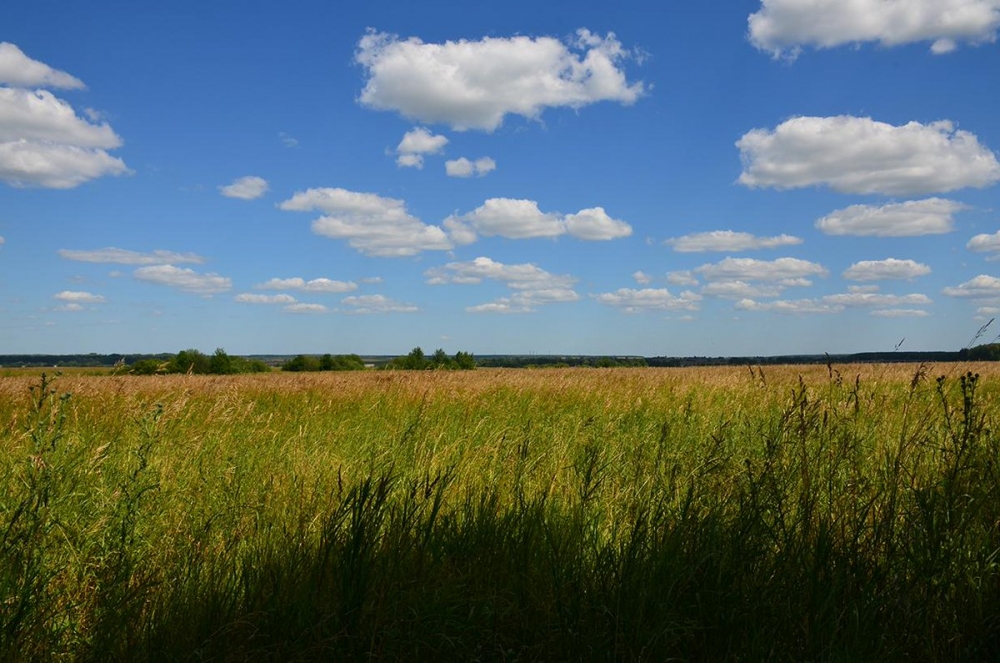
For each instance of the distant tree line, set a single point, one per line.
(418, 361)
(325, 363)
(560, 361)
(198, 363)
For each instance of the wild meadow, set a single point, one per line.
(843, 512)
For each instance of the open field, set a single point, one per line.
(849, 512)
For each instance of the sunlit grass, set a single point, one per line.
(809, 513)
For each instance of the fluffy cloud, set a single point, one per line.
(251, 298)
(125, 257)
(595, 224)
(789, 270)
(245, 188)
(365, 304)
(371, 224)
(533, 285)
(320, 285)
(859, 155)
(2, 240)
(25, 163)
(43, 142)
(76, 297)
(475, 84)
(526, 301)
(649, 299)
(782, 27)
(39, 116)
(642, 278)
(415, 144)
(522, 277)
(913, 218)
(981, 287)
(18, 70)
(522, 219)
(462, 167)
(981, 243)
(890, 268)
(184, 279)
(728, 240)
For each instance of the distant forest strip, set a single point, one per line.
(986, 352)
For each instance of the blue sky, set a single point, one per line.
(714, 178)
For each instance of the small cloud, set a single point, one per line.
(125, 257)
(305, 308)
(890, 268)
(683, 277)
(900, 313)
(250, 298)
(463, 167)
(187, 280)
(367, 304)
(320, 285)
(415, 144)
(642, 278)
(245, 188)
(913, 218)
(77, 297)
(650, 299)
(371, 224)
(287, 140)
(728, 240)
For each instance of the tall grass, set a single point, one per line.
(839, 513)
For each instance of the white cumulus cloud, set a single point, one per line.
(980, 287)
(463, 167)
(649, 299)
(522, 219)
(728, 240)
(320, 285)
(913, 218)
(748, 269)
(860, 155)
(78, 297)
(533, 285)
(371, 224)
(783, 27)
(184, 279)
(415, 144)
(985, 243)
(250, 187)
(890, 268)
(642, 278)
(18, 70)
(43, 142)
(476, 84)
